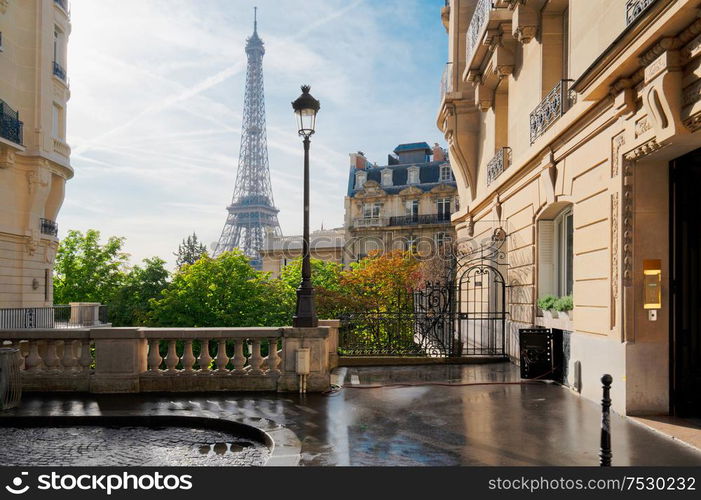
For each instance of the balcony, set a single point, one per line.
(49, 227)
(477, 24)
(635, 8)
(63, 4)
(552, 107)
(10, 125)
(447, 80)
(415, 220)
(59, 71)
(61, 148)
(484, 13)
(371, 222)
(500, 162)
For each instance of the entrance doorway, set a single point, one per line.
(685, 351)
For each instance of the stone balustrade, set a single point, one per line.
(129, 360)
(65, 359)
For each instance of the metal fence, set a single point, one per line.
(61, 316)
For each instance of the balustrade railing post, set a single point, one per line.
(52, 360)
(256, 360)
(188, 358)
(154, 356)
(239, 358)
(222, 358)
(273, 357)
(172, 358)
(68, 360)
(33, 360)
(205, 359)
(605, 454)
(85, 355)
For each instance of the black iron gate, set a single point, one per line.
(464, 315)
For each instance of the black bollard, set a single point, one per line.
(605, 455)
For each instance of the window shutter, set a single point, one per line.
(546, 258)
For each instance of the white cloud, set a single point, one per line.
(157, 95)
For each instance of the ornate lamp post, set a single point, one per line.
(306, 108)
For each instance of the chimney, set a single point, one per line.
(438, 153)
(358, 160)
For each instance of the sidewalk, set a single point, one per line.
(533, 424)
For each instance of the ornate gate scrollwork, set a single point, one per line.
(463, 314)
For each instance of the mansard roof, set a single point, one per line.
(429, 177)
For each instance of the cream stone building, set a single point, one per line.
(34, 156)
(574, 126)
(324, 244)
(404, 205)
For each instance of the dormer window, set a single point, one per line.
(361, 176)
(446, 174)
(387, 177)
(413, 173)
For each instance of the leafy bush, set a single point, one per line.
(547, 302)
(564, 303)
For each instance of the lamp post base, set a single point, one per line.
(306, 312)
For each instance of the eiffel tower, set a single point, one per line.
(252, 214)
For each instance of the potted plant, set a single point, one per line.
(547, 305)
(564, 306)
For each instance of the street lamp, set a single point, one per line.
(306, 108)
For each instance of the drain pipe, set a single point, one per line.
(303, 367)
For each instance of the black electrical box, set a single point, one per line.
(537, 353)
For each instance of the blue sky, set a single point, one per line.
(157, 95)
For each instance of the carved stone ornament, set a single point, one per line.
(618, 143)
(7, 157)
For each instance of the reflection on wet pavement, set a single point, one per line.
(534, 424)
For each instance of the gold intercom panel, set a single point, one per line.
(652, 284)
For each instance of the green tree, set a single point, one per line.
(189, 251)
(330, 298)
(88, 271)
(131, 303)
(222, 291)
(383, 282)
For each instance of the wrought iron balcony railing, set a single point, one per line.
(370, 222)
(477, 23)
(413, 220)
(552, 107)
(634, 8)
(49, 227)
(10, 124)
(59, 71)
(500, 162)
(447, 80)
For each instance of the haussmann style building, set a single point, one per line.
(573, 126)
(403, 205)
(327, 245)
(34, 156)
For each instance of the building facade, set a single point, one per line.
(404, 205)
(34, 156)
(324, 244)
(574, 126)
